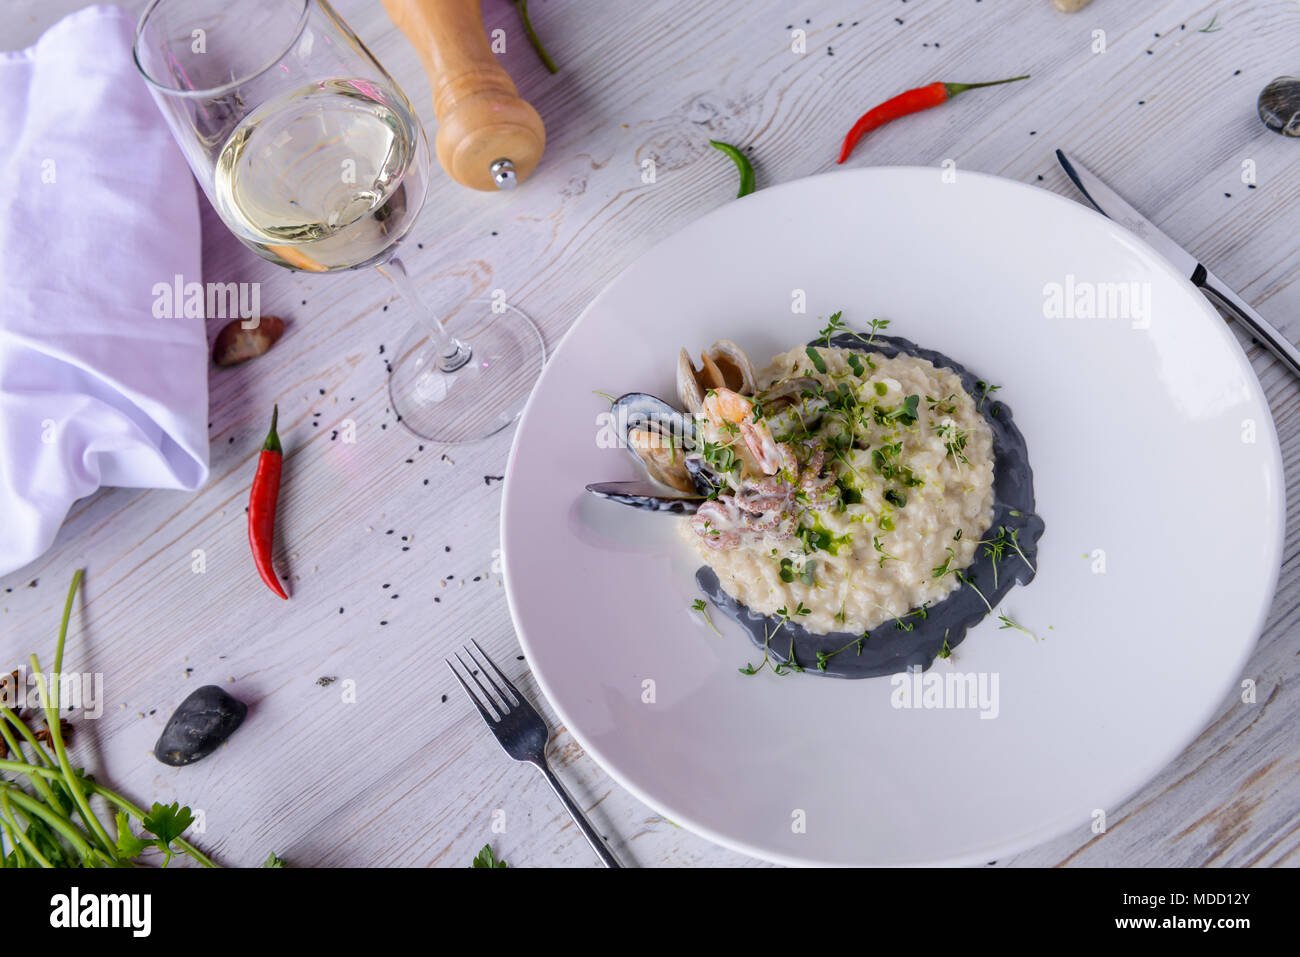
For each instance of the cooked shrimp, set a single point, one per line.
(723, 406)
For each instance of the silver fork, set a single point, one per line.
(522, 733)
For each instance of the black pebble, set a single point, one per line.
(202, 722)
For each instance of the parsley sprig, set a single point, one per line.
(46, 819)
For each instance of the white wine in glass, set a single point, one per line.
(315, 159)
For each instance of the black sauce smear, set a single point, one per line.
(889, 649)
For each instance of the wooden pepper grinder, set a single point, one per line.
(488, 138)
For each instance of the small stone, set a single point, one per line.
(1279, 106)
(201, 723)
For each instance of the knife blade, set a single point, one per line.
(1113, 206)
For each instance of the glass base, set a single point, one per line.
(485, 394)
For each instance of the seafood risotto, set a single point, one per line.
(848, 478)
(859, 504)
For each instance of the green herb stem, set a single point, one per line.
(11, 826)
(533, 38)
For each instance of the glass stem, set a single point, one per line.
(451, 352)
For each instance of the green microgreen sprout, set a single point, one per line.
(833, 325)
(702, 607)
(984, 390)
(1008, 622)
(818, 362)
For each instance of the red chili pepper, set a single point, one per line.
(261, 506)
(913, 101)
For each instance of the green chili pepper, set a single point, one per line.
(533, 38)
(742, 164)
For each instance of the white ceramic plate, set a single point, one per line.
(1140, 440)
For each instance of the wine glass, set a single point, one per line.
(314, 158)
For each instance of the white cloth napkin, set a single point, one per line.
(97, 206)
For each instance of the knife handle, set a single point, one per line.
(1255, 324)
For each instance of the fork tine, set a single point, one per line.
(501, 706)
(473, 697)
(504, 680)
(488, 674)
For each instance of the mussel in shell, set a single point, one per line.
(663, 440)
(659, 436)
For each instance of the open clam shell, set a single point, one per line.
(723, 365)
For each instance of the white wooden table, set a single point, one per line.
(371, 532)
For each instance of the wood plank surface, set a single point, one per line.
(407, 774)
